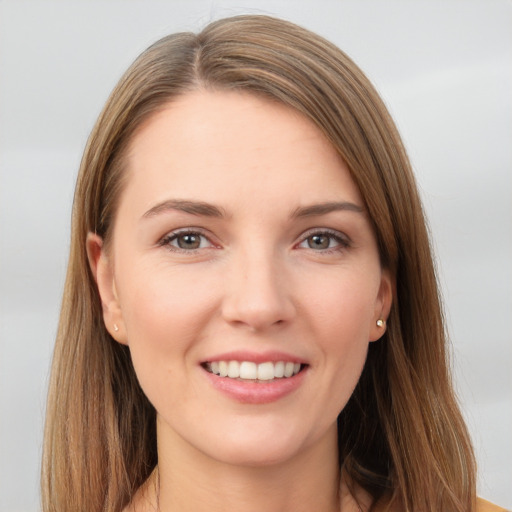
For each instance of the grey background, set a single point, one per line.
(444, 69)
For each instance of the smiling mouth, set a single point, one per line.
(253, 372)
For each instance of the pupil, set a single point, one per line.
(188, 241)
(319, 242)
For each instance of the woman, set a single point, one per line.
(251, 316)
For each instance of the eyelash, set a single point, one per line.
(342, 241)
(167, 240)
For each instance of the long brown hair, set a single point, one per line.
(401, 436)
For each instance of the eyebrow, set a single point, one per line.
(201, 208)
(182, 205)
(325, 208)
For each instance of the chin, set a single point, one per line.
(258, 447)
(255, 456)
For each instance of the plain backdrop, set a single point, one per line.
(443, 67)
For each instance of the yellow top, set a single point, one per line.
(487, 506)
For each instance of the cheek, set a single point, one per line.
(162, 300)
(342, 316)
(163, 318)
(163, 312)
(344, 307)
(336, 316)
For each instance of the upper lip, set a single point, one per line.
(256, 357)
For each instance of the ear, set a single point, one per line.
(382, 305)
(103, 272)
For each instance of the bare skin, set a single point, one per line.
(261, 494)
(241, 236)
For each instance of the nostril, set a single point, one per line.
(255, 296)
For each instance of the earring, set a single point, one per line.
(116, 328)
(381, 323)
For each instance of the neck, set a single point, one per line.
(187, 479)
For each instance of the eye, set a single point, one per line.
(186, 241)
(324, 241)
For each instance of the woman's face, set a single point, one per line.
(241, 245)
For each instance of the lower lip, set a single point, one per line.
(256, 392)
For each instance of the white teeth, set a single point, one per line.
(233, 369)
(223, 369)
(266, 371)
(279, 369)
(251, 371)
(248, 370)
(288, 369)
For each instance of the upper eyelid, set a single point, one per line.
(343, 241)
(327, 231)
(167, 242)
(205, 233)
(173, 234)
(182, 231)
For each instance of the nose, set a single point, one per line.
(257, 293)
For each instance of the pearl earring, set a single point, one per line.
(381, 323)
(116, 328)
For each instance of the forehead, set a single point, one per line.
(228, 146)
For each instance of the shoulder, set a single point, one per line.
(487, 506)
